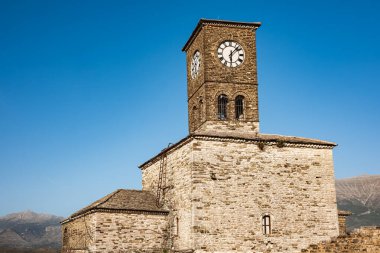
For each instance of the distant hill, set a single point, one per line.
(361, 196)
(30, 231)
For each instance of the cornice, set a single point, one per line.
(214, 22)
(271, 140)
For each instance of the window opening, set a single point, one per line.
(266, 225)
(239, 107)
(222, 107)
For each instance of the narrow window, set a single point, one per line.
(194, 115)
(266, 225)
(200, 111)
(222, 107)
(239, 107)
(177, 226)
(65, 237)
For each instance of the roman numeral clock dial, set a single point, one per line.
(231, 53)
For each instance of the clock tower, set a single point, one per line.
(225, 187)
(222, 78)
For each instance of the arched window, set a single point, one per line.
(222, 107)
(239, 107)
(266, 225)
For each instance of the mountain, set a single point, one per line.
(29, 230)
(361, 196)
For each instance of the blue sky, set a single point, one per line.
(91, 89)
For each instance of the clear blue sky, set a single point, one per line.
(91, 89)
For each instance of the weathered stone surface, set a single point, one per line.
(231, 185)
(215, 79)
(365, 239)
(115, 232)
(78, 234)
(342, 215)
(178, 187)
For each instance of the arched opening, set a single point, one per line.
(266, 223)
(239, 107)
(222, 107)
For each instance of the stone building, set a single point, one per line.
(225, 187)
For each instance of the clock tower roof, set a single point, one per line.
(202, 22)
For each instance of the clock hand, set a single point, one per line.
(236, 49)
(233, 52)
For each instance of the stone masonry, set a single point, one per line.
(225, 187)
(115, 232)
(365, 239)
(219, 188)
(123, 221)
(216, 79)
(342, 216)
(77, 234)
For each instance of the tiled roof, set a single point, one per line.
(124, 200)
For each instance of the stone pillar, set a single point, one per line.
(342, 215)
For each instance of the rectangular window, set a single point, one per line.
(176, 229)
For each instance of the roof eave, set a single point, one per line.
(120, 210)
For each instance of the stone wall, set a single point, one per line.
(366, 239)
(130, 232)
(102, 232)
(194, 84)
(177, 193)
(77, 235)
(196, 98)
(220, 188)
(236, 183)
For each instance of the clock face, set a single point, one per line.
(195, 64)
(231, 53)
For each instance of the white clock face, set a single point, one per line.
(231, 53)
(195, 64)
